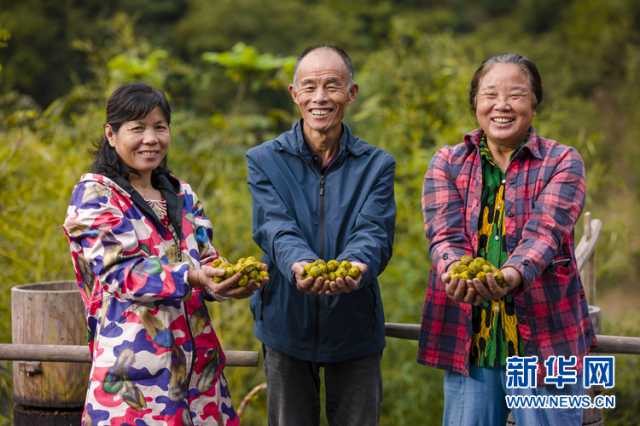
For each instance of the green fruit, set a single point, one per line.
(332, 265)
(465, 260)
(314, 272)
(354, 272)
(243, 281)
(457, 268)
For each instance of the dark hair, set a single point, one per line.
(343, 54)
(127, 103)
(507, 58)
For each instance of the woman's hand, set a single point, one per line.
(459, 290)
(228, 288)
(491, 290)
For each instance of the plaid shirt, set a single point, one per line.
(544, 196)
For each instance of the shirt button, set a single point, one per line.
(445, 256)
(497, 237)
(504, 181)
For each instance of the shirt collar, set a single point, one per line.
(531, 144)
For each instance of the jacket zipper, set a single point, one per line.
(321, 253)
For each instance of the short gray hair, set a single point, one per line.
(341, 52)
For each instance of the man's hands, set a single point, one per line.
(228, 288)
(475, 291)
(321, 286)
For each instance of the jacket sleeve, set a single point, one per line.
(371, 240)
(202, 228)
(555, 213)
(109, 244)
(274, 230)
(443, 211)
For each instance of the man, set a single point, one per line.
(320, 192)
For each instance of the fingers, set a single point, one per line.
(318, 285)
(481, 289)
(450, 287)
(470, 295)
(460, 290)
(304, 285)
(496, 291)
(213, 272)
(362, 266)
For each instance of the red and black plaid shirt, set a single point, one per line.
(544, 196)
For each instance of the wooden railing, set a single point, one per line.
(80, 353)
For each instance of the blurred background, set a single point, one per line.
(225, 66)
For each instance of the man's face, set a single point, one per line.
(322, 90)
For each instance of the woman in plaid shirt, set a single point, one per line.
(513, 198)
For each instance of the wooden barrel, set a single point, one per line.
(49, 313)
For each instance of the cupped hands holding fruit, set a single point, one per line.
(331, 277)
(476, 280)
(223, 279)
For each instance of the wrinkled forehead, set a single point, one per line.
(506, 76)
(322, 64)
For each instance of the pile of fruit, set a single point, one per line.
(469, 268)
(331, 270)
(249, 268)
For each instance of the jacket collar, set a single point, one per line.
(293, 142)
(169, 187)
(532, 145)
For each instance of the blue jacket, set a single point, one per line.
(299, 213)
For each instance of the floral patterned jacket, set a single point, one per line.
(156, 357)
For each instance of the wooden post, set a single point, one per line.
(586, 255)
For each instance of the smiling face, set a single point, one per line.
(322, 89)
(141, 144)
(505, 104)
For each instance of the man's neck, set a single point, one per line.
(322, 144)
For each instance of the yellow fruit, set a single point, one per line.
(314, 272)
(332, 265)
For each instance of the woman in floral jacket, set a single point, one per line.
(139, 241)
